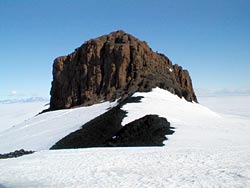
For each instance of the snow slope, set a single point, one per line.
(43, 131)
(195, 124)
(208, 149)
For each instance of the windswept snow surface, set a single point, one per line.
(208, 149)
(43, 131)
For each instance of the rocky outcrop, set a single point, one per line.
(114, 66)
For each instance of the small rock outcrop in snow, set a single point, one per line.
(15, 154)
(114, 66)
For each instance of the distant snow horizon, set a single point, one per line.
(201, 92)
(24, 100)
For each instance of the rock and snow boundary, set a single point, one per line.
(107, 130)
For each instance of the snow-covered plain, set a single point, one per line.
(228, 104)
(14, 113)
(208, 149)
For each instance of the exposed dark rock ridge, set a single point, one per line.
(114, 66)
(96, 132)
(15, 154)
(150, 130)
(106, 131)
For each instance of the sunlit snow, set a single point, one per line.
(208, 149)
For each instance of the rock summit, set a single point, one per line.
(114, 66)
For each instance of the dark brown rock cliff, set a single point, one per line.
(114, 66)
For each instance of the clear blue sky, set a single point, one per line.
(210, 38)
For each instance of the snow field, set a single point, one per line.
(208, 149)
(129, 167)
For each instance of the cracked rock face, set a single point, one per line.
(114, 66)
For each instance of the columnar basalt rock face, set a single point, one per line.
(114, 66)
